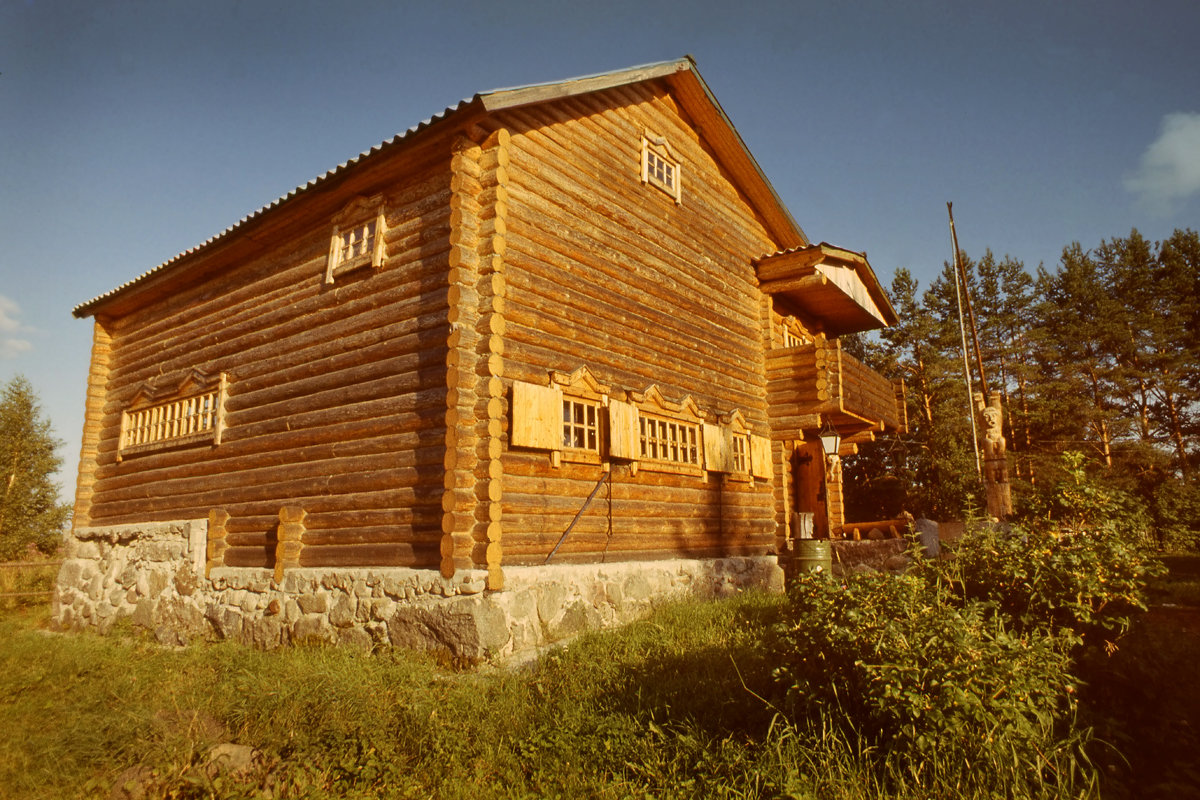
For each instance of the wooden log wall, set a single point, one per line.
(471, 519)
(609, 273)
(336, 392)
(93, 423)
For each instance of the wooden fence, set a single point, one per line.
(32, 565)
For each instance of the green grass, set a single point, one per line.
(672, 707)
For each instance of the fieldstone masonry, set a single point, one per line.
(154, 575)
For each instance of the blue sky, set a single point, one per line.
(131, 131)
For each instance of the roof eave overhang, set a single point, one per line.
(835, 286)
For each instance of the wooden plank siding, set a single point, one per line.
(336, 393)
(609, 273)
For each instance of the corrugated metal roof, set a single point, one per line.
(490, 101)
(83, 309)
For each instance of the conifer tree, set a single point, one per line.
(30, 511)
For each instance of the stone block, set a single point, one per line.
(341, 612)
(574, 620)
(226, 622)
(143, 614)
(71, 573)
(185, 582)
(82, 549)
(550, 600)
(267, 633)
(356, 639)
(313, 629)
(468, 629)
(317, 603)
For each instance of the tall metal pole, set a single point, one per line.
(962, 331)
(962, 277)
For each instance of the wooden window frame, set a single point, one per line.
(684, 418)
(672, 441)
(191, 413)
(359, 214)
(581, 424)
(656, 150)
(536, 427)
(729, 449)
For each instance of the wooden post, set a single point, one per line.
(288, 546)
(218, 518)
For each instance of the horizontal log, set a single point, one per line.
(370, 555)
(602, 312)
(294, 308)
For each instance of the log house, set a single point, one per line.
(572, 306)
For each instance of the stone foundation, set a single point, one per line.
(153, 575)
(882, 555)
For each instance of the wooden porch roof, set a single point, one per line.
(832, 284)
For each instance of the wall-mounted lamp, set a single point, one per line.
(831, 440)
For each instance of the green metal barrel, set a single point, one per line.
(813, 555)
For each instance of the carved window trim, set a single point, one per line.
(581, 392)
(191, 413)
(661, 167)
(359, 237)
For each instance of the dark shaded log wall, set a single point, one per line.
(336, 392)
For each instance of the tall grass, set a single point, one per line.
(27, 582)
(676, 706)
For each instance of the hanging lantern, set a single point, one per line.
(831, 440)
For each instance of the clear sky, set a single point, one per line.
(132, 131)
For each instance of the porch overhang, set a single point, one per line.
(834, 286)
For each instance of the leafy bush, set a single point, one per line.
(900, 662)
(1080, 563)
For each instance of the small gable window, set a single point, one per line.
(660, 166)
(358, 237)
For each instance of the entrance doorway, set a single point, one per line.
(808, 485)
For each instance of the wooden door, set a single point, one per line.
(808, 485)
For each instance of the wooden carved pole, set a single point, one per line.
(995, 458)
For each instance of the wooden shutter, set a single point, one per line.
(760, 456)
(718, 448)
(537, 416)
(623, 439)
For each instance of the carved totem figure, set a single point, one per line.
(995, 458)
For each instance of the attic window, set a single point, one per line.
(660, 167)
(358, 237)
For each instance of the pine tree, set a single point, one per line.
(30, 511)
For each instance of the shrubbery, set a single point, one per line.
(964, 667)
(926, 679)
